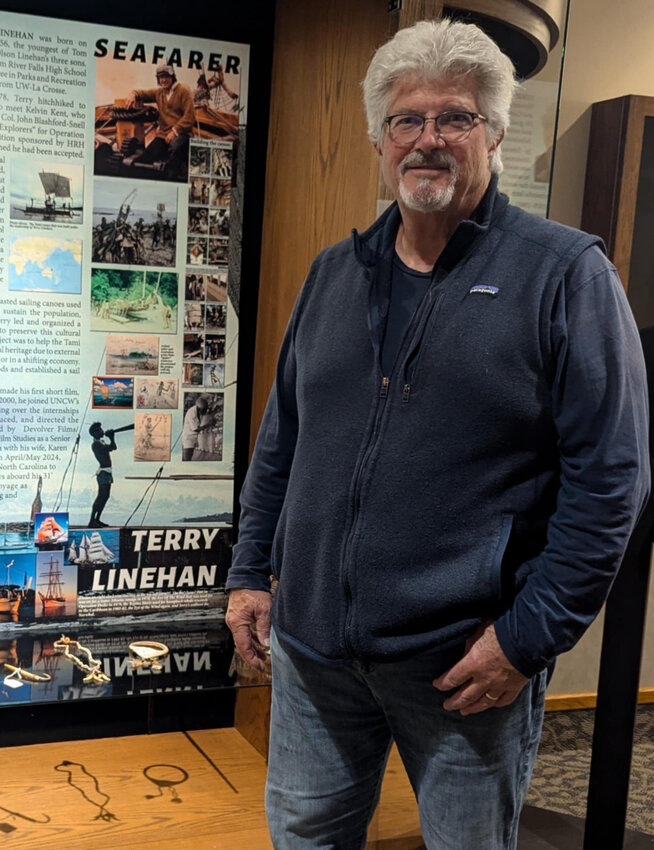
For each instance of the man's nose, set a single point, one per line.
(430, 137)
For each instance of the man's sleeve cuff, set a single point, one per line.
(522, 662)
(244, 580)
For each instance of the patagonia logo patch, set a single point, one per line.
(484, 289)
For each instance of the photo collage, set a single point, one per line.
(139, 294)
(205, 310)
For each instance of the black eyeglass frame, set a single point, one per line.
(476, 117)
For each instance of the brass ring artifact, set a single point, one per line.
(148, 654)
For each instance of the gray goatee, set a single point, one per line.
(427, 197)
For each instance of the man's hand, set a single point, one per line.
(248, 617)
(484, 670)
(132, 100)
(171, 135)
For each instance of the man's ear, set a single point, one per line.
(377, 148)
(495, 144)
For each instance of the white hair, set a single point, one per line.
(442, 51)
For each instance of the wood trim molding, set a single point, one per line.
(570, 702)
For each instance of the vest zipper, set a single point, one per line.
(412, 357)
(355, 503)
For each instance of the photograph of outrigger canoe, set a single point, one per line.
(43, 190)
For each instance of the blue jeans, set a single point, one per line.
(332, 726)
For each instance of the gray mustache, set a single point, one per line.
(435, 160)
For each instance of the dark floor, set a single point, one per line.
(553, 818)
(560, 780)
(546, 830)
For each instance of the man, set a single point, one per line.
(176, 120)
(445, 478)
(167, 233)
(102, 451)
(167, 316)
(224, 98)
(193, 421)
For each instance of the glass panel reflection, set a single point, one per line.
(199, 657)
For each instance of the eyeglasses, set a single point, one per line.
(453, 126)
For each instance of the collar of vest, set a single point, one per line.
(378, 241)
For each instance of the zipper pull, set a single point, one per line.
(383, 392)
(406, 392)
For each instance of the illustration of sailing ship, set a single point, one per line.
(92, 550)
(55, 186)
(54, 595)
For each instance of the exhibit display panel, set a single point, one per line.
(121, 199)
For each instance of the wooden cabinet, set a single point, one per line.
(619, 194)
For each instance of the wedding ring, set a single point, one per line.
(491, 697)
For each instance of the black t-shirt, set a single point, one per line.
(408, 288)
